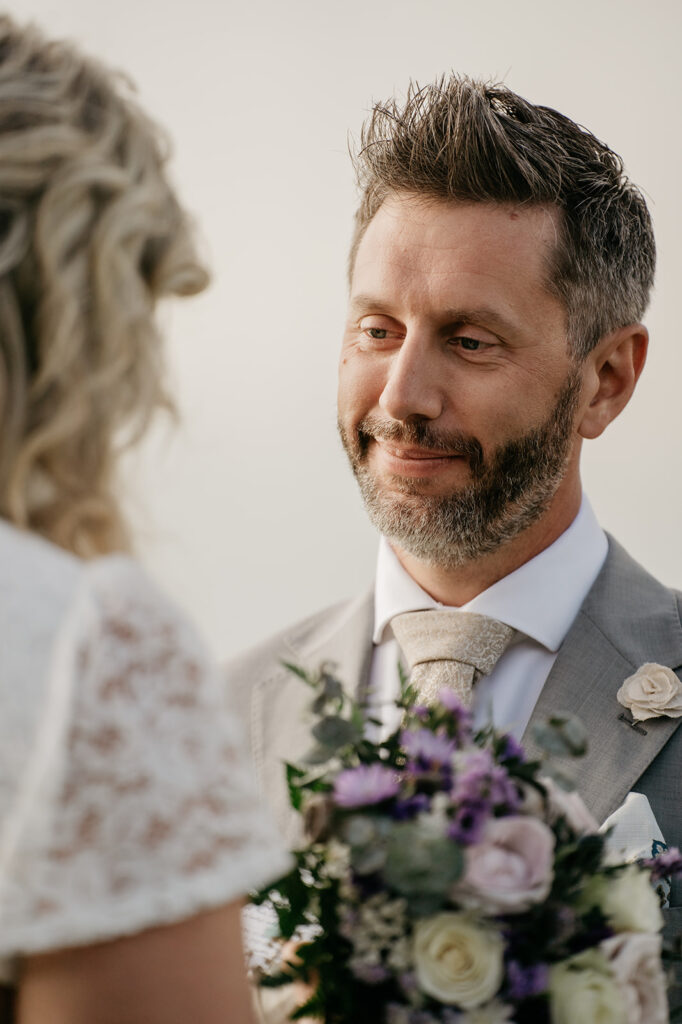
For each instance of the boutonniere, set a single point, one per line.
(653, 691)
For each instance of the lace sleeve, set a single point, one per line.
(154, 817)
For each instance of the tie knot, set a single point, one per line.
(451, 635)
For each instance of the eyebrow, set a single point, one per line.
(482, 316)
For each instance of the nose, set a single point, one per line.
(412, 390)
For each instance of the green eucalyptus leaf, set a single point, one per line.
(563, 777)
(331, 686)
(562, 735)
(319, 755)
(359, 830)
(366, 860)
(423, 906)
(313, 1007)
(335, 732)
(298, 671)
(275, 980)
(421, 865)
(319, 705)
(294, 777)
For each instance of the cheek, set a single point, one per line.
(505, 406)
(360, 386)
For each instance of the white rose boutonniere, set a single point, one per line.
(651, 692)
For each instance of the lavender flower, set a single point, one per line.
(426, 747)
(503, 791)
(464, 720)
(371, 974)
(408, 983)
(526, 981)
(479, 777)
(667, 864)
(405, 810)
(364, 785)
(511, 749)
(469, 821)
(475, 762)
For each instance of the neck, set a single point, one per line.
(457, 586)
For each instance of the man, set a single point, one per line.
(500, 267)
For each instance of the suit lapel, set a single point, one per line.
(280, 720)
(627, 619)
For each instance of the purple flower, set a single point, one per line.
(526, 981)
(503, 791)
(479, 777)
(667, 864)
(511, 749)
(408, 982)
(428, 748)
(371, 974)
(366, 784)
(475, 762)
(405, 810)
(452, 703)
(469, 821)
(463, 717)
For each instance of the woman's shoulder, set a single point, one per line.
(140, 809)
(42, 587)
(34, 570)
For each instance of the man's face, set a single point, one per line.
(457, 390)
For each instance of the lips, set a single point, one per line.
(395, 460)
(410, 454)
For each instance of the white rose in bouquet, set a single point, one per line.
(584, 989)
(510, 869)
(492, 1013)
(626, 899)
(457, 959)
(635, 960)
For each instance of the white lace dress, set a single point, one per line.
(125, 798)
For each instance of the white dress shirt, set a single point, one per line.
(540, 600)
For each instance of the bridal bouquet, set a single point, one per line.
(445, 879)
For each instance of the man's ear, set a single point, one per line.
(611, 372)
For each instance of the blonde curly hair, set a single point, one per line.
(91, 234)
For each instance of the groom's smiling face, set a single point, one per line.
(458, 391)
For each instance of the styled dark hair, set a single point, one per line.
(467, 140)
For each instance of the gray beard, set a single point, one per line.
(508, 492)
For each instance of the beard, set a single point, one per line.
(509, 490)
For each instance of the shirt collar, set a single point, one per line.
(541, 598)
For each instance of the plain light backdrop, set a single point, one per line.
(247, 513)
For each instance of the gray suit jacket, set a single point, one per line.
(627, 619)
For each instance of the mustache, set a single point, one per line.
(420, 434)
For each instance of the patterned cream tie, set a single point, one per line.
(450, 648)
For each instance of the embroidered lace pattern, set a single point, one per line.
(154, 815)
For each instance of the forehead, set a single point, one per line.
(416, 241)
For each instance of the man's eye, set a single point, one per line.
(377, 333)
(469, 344)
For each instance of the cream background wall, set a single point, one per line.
(248, 513)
